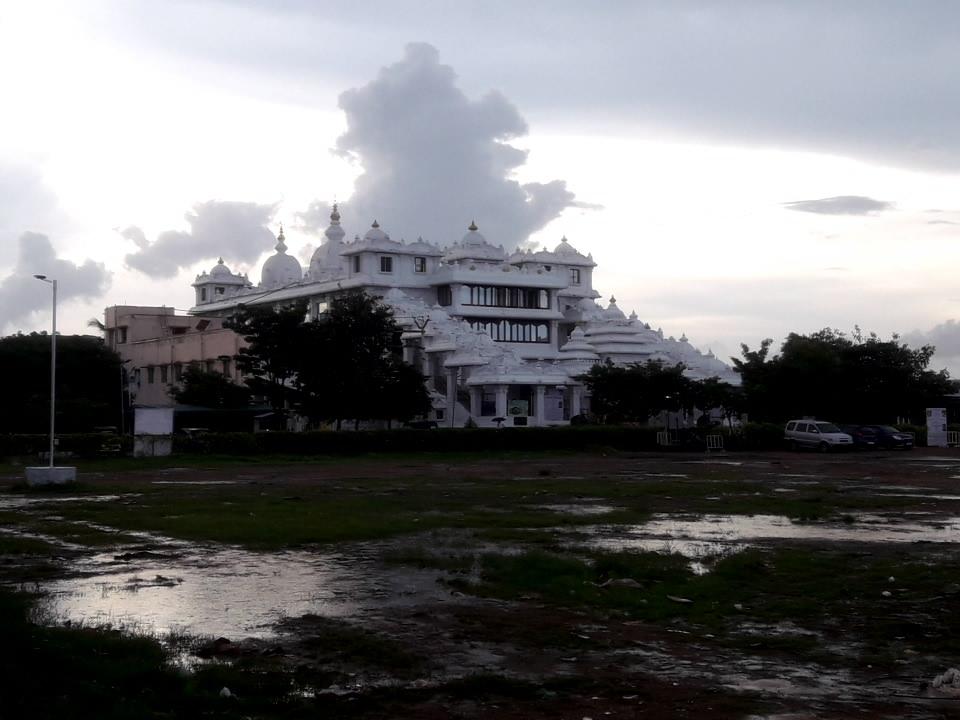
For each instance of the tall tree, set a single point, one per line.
(273, 352)
(351, 367)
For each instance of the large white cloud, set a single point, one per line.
(237, 231)
(25, 202)
(22, 295)
(434, 160)
(874, 79)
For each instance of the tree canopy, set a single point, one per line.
(210, 390)
(88, 383)
(274, 344)
(828, 374)
(639, 391)
(345, 365)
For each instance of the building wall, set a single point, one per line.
(158, 345)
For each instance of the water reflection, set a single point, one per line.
(719, 534)
(230, 592)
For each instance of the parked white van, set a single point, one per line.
(817, 434)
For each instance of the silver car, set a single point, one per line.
(817, 434)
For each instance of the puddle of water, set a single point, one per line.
(580, 510)
(19, 501)
(193, 482)
(226, 591)
(924, 495)
(677, 534)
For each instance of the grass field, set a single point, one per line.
(480, 590)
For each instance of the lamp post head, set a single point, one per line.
(40, 277)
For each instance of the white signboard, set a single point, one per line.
(937, 427)
(153, 421)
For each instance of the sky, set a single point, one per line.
(739, 170)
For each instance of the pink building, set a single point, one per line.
(158, 345)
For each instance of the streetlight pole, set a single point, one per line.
(53, 365)
(52, 474)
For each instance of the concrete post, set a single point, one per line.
(451, 396)
(475, 393)
(501, 401)
(538, 403)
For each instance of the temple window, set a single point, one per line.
(356, 263)
(386, 264)
(420, 264)
(488, 403)
(574, 276)
(492, 296)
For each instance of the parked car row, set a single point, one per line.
(825, 436)
(879, 436)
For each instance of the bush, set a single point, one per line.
(408, 440)
(82, 445)
(755, 436)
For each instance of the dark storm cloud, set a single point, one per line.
(434, 160)
(21, 294)
(237, 231)
(841, 205)
(868, 78)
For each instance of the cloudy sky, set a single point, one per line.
(739, 169)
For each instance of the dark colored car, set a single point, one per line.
(864, 436)
(891, 438)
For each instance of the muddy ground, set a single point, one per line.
(774, 585)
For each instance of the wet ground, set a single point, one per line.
(433, 588)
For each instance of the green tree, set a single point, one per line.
(351, 367)
(827, 374)
(344, 365)
(89, 379)
(210, 390)
(270, 360)
(638, 391)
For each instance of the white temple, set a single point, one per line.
(497, 336)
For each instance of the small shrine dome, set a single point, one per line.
(613, 312)
(473, 238)
(280, 269)
(220, 270)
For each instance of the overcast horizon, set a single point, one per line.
(738, 171)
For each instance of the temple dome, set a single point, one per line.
(334, 233)
(613, 312)
(375, 234)
(326, 262)
(220, 270)
(565, 248)
(475, 246)
(280, 269)
(473, 238)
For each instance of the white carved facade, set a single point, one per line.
(496, 335)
